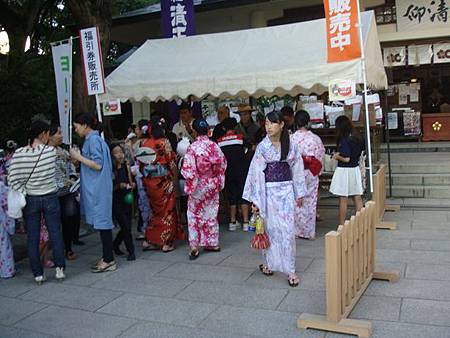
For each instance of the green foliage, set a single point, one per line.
(27, 90)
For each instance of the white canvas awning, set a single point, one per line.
(288, 59)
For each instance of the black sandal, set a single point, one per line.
(212, 248)
(193, 255)
(293, 281)
(265, 270)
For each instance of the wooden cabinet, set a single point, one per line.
(436, 127)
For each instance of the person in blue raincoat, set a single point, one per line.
(96, 186)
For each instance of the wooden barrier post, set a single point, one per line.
(379, 197)
(350, 267)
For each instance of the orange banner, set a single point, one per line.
(342, 30)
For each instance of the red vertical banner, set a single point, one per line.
(342, 30)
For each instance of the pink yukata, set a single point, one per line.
(203, 168)
(309, 144)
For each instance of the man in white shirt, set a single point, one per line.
(183, 128)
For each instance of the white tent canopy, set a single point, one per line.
(287, 59)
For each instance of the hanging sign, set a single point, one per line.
(394, 56)
(340, 90)
(92, 61)
(62, 63)
(441, 52)
(342, 30)
(177, 18)
(419, 54)
(422, 14)
(112, 107)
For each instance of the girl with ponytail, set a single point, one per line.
(276, 185)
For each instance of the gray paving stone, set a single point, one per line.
(181, 255)
(393, 243)
(171, 311)
(12, 332)
(157, 330)
(412, 256)
(143, 282)
(379, 308)
(261, 323)
(65, 322)
(431, 216)
(236, 295)
(411, 288)
(422, 244)
(206, 272)
(83, 276)
(428, 271)
(311, 251)
(424, 225)
(72, 296)
(308, 281)
(307, 301)
(13, 310)
(13, 287)
(430, 312)
(385, 329)
(252, 261)
(430, 234)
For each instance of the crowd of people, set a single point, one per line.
(176, 177)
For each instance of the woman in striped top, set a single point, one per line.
(32, 171)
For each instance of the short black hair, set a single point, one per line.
(201, 126)
(184, 106)
(287, 111)
(229, 123)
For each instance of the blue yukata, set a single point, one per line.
(7, 228)
(274, 186)
(97, 186)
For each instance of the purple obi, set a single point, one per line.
(278, 172)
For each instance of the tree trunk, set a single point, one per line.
(88, 14)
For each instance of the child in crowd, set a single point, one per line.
(122, 210)
(347, 176)
(232, 146)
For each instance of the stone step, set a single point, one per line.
(418, 191)
(410, 167)
(420, 179)
(415, 147)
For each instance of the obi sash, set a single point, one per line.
(312, 164)
(278, 172)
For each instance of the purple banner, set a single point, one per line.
(177, 18)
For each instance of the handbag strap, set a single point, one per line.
(34, 168)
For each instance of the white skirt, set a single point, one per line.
(346, 182)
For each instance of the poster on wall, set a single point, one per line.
(441, 52)
(419, 54)
(422, 14)
(411, 123)
(392, 120)
(340, 90)
(394, 56)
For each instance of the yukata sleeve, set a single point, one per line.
(298, 173)
(255, 185)
(189, 171)
(96, 151)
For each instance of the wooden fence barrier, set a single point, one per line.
(349, 267)
(379, 197)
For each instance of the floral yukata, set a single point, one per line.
(203, 168)
(273, 187)
(310, 145)
(7, 228)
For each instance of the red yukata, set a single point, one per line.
(163, 226)
(204, 170)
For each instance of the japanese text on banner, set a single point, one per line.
(177, 18)
(92, 61)
(342, 30)
(422, 14)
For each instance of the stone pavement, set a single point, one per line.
(224, 294)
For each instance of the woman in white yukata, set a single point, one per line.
(276, 185)
(312, 152)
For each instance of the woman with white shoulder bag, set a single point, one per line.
(32, 173)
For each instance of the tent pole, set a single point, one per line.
(388, 141)
(366, 105)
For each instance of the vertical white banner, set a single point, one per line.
(92, 60)
(394, 56)
(441, 52)
(419, 55)
(62, 62)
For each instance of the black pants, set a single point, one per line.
(70, 219)
(122, 214)
(107, 245)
